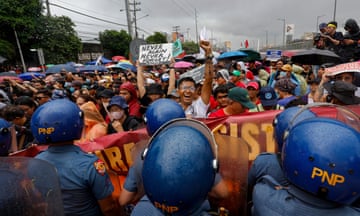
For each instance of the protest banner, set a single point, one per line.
(155, 54)
(197, 73)
(240, 139)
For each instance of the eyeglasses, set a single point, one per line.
(39, 98)
(190, 88)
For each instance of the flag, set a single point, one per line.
(98, 60)
(246, 43)
(177, 48)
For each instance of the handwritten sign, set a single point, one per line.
(197, 73)
(155, 54)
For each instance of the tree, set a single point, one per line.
(156, 38)
(59, 40)
(115, 42)
(190, 47)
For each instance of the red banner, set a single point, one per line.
(254, 129)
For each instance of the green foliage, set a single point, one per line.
(156, 38)
(55, 35)
(58, 39)
(190, 47)
(115, 42)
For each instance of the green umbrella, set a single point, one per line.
(252, 55)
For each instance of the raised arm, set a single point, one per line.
(140, 80)
(208, 74)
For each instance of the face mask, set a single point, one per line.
(87, 80)
(117, 115)
(72, 89)
(282, 74)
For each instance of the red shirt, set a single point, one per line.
(217, 113)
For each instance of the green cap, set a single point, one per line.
(236, 73)
(241, 96)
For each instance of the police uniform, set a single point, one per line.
(272, 199)
(145, 208)
(266, 164)
(83, 179)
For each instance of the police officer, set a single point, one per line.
(85, 185)
(320, 160)
(269, 163)
(179, 170)
(158, 113)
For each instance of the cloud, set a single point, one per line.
(230, 20)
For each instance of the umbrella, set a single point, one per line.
(123, 65)
(93, 68)
(34, 69)
(232, 55)
(8, 76)
(30, 75)
(252, 54)
(183, 64)
(118, 58)
(315, 57)
(59, 67)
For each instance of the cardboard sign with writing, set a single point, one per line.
(197, 73)
(155, 54)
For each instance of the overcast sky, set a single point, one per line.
(227, 20)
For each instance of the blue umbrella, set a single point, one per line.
(93, 68)
(232, 55)
(28, 76)
(59, 67)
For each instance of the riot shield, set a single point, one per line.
(29, 187)
(233, 158)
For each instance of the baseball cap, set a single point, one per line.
(118, 101)
(343, 91)
(236, 73)
(255, 85)
(241, 96)
(164, 77)
(286, 68)
(106, 93)
(268, 96)
(322, 25)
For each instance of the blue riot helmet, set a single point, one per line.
(322, 156)
(179, 168)
(5, 137)
(161, 111)
(57, 121)
(286, 119)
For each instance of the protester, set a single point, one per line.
(85, 184)
(341, 93)
(186, 88)
(120, 120)
(239, 102)
(268, 99)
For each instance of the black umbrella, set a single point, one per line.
(315, 57)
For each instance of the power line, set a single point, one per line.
(96, 18)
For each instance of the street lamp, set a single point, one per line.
(317, 22)
(335, 10)
(284, 21)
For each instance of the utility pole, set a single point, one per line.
(187, 34)
(135, 10)
(176, 29)
(128, 18)
(20, 51)
(48, 8)
(334, 10)
(196, 28)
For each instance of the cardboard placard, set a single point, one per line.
(197, 73)
(155, 54)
